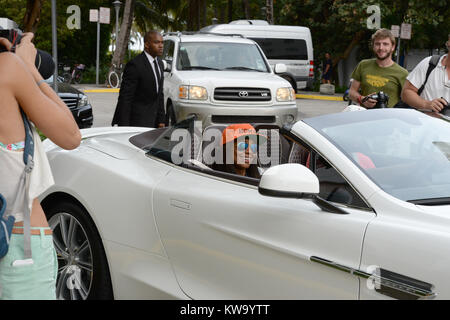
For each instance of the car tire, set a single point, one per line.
(291, 81)
(170, 115)
(78, 77)
(67, 77)
(83, 272)
(113, 79)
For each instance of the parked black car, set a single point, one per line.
(77, 102)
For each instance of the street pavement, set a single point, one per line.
(104, 102)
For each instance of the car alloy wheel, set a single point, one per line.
(83, 270)
(73, 249)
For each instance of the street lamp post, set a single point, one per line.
(117, 4)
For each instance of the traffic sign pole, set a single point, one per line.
(99, 16)
(97, 64)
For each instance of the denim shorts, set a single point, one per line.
(29, 282)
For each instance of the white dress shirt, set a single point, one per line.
(151, 60)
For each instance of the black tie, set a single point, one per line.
(158, 77)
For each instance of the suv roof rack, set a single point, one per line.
(180, 33)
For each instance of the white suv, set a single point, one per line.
(224, 79)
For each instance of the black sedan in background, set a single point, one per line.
(76, 101)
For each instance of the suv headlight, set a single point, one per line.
(285, 94)
(193, 93)
(83, 101)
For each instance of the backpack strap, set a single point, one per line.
(28, 152)
(431, 65)
(24, 187)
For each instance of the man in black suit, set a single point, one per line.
(141, 98)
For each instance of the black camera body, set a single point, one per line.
(446, 110)
(13, 35)
(381, 97)
(43, 62)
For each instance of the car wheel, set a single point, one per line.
(83, 271)
(78, 77)
(170, 115)
(291, 81)
(67, 77)
(113, 79)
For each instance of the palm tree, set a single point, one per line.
(160, 14)
(32, 15)
(124, 34)
(245, 8)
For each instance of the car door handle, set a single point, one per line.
(180, 204)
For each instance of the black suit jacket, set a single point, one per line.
(139, 104)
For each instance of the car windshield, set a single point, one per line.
(405, 152)
(220, 56)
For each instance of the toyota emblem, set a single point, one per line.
(243, 94)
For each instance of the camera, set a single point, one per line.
(446, 110)
(43, 61)
(381, 97)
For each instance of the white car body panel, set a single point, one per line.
(247, 237)
(407, 239)
(173, 232)
(109, 208)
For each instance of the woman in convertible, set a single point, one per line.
(240, 150)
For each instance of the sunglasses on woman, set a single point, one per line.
(242, 146)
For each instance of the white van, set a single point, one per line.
(290, 45)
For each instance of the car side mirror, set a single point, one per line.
(280, 68)
(293, 180)
(290, 180)
(167, 66)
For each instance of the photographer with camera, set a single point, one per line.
(22, 88)
(377, 75)
(428, 86)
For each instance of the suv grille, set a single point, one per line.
(71, 102)
(242, 94)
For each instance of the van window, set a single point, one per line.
(283, 49)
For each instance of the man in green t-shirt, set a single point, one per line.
(379, 74)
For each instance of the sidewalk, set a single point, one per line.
(301, 95)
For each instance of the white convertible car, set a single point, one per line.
(352, 206)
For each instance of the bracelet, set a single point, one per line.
(359, 100)
(40, 82)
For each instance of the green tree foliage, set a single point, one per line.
(336, 25)
(74, 46)
(339, 25)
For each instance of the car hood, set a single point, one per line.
(113, 141)
(65, 88)
(232, 78)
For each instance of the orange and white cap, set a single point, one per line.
(234, 131)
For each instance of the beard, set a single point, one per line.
(387, 55)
